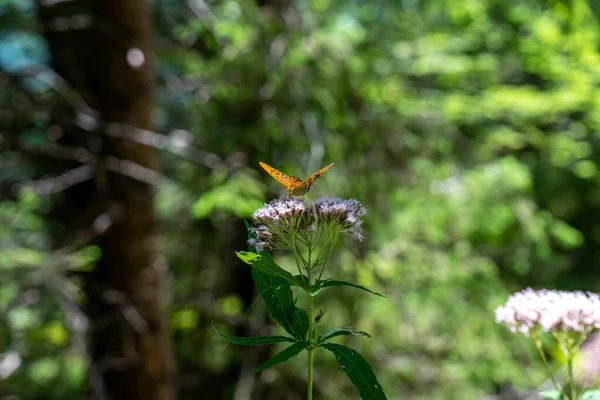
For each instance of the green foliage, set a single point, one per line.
(469, 129)
(44, 371)
(255, 340)
(358, 370)
(339, 331)
(282, 356)
(278, 297)
(265, 264)
(239, 194)
(185, 318)
(274, 287)
(316, 288)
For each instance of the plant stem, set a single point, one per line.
(570, 373)
(310, 336)
(538, 345)
(571, 383)
(328, 255)
(310, 348)
(296, 253)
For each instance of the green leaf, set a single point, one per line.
(591, 395)
(316, 288)
(264, 263)
(339, 331)
(300, 324)
(277, 295)
(358, 370)
(255, 340)
(551, 395)
(282, 356)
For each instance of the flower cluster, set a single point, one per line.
(284, 219)
(344, 214)
(284, 211)
(263, 240)
(550, 310)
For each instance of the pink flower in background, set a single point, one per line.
(550, 310)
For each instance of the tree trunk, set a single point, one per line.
(100, 48)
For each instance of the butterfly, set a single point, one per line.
(294, 186)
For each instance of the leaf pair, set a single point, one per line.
(353, 364)
(280, 357)
(264, 263)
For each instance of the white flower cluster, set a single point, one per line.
(346, 212)
(282, 210)
(550, 310)
(264, 239)
(283, 218)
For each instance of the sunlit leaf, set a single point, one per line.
(44, 370)
(265, 263)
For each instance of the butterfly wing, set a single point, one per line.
(290, 182)
(306, 184)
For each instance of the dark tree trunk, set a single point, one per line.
(100, 48)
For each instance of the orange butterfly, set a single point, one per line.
(294, 186)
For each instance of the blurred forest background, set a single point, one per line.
(131, 133)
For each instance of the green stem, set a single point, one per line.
(310, 348)
(296, 253)
(538, 345)
(324, 247)
(570, 378)
(571, 383)
(328, 255)
(299, 252)
(310, 336)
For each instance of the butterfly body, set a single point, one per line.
(294, 186)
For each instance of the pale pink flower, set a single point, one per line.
(550, 310)
(283, 219)
(343, 214)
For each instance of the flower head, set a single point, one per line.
(283, 211)
(550, 310)
(288, 220)
(281, 219)
(343, 215)
(263, 240)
